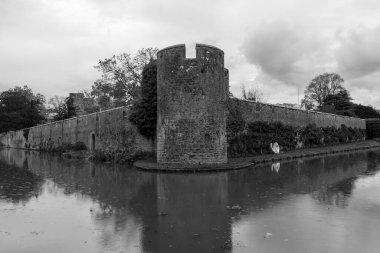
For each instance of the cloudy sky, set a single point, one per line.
(276, 45)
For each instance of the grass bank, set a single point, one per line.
(309, 152)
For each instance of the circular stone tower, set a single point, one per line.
(191, 106)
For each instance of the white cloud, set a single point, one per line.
(359, 53)
(285, 51)
(52, 45)
(291, 55)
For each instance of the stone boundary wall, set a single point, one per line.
(254, 111)
(108, 129)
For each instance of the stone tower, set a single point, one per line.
(191, 106)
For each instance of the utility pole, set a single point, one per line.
(298, 90)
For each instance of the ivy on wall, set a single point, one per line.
(235, 120)
(144, 110)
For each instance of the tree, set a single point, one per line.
(121, 78)
(89, 102)
(55, 102)
(144, 110)
(253, 93)
(341, 100)
(21, 108)
(339, 103)
(320, 87)
(61, 112)
(62, 108)
(75, 104)
(342, 105)
(366, 112)
(307, 103)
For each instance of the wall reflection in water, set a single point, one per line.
(123, 210)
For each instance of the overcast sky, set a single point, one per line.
(277, 45)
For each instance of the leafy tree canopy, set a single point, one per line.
(121, 78)
(366, 112)
(339, 103)
(144, 110)
(252, 93)
(21, 108)
(341, 100)
(320, 87)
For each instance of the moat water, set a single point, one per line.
(328, 204)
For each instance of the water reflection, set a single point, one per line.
(276, 167)
(106, 208)
(18, 184)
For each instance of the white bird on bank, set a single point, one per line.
(275, 148)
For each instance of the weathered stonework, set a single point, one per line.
(254, 111)
(106, 130)
(191, 106)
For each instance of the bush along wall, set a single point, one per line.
(256, 137)
(126, 155)
(373, 128)
(65, 147)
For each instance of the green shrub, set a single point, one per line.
(331, 135)
(257, 136)
(235, 121)
(312, 136)
(120, 156)
(77, 146)
(255, 139)
(373, 128)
